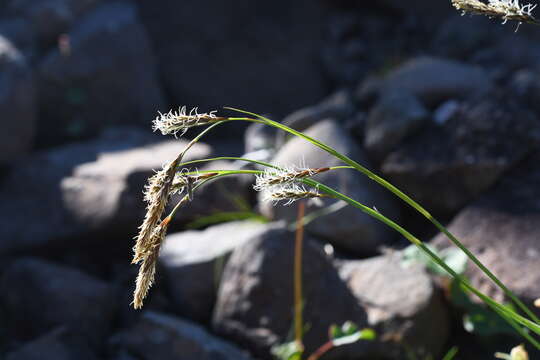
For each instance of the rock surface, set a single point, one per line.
(17, 104)
(83, 190)
(55, 345)
(255, 299)
(347, 227)
(84, 81)
(434, 80)
(402, 305)
(397, 115)
(193, 262)
(501, 229)
(444, 167)
(40, 295)
(227, 64)
(160, 336)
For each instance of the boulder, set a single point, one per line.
(502, 228)
(49, 18)
(403, 305)
(83, 191)
(434, 80)
(40, 295)
(255, 299)
(17, 104)
(446, 166)
(77, 82)
(397, 115)
(228, 61)
(162, 336)
(348, 227)
(193, 262)
(58, 344)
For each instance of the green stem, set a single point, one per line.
(398, 193)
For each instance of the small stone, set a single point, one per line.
(445, 112)
(397, 115)
(402, 304)
(40, 295)
(193, 262)
(255, 298)
(162, 336)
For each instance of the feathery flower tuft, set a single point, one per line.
(180, 121)
(504, 9)
(272, 177)
(290, 192)
(147, 271)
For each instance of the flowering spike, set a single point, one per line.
(504, 9)
(180, 121)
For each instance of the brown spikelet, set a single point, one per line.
(147, 271)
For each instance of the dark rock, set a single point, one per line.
(18, 31)
(347, 227)
(50, 18)
(434, 80)
(78, 83)
(501, 229)
(161, 336)
(402, 304)
(39, 296)
(255, 63)
(255, 299)
(397, 115)
(83, 191)
(446, 166)
(17, 104)
(59, 344)
(193, 262)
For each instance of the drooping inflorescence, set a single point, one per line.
(290, 192)
(178, 122)
(272, 177)
(504, 9)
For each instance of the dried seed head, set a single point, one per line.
(504, 9)
(290, 192)
(180, 121)
(147, 271)
(156, 194)
(272, 177)
(183, 182)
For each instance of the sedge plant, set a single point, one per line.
(286, 185)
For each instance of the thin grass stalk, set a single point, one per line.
(506, 313)
(398, 193)
(298, 300)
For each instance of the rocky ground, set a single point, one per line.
(445, 107)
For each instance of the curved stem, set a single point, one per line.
(398, 193)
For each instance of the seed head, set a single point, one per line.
(290, 192)
(147, 271)
(180, 121)
(272, 177)
(504, 9)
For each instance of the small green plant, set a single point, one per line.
(288, 185)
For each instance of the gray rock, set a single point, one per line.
(348, 227)
(231, 62)
(259, 137)
(444, 167)
(337, 106)
(17, 104)
(255, 299)
(55, 345)
(193, 262)
(39, 296)
(76, 85)
(161, 336)
(19, 32)
(501, 229)
(50, 18)
(397, 115)
(84, 191)
(402, 304)
(434, 80)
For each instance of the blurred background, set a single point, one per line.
(444, 106)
